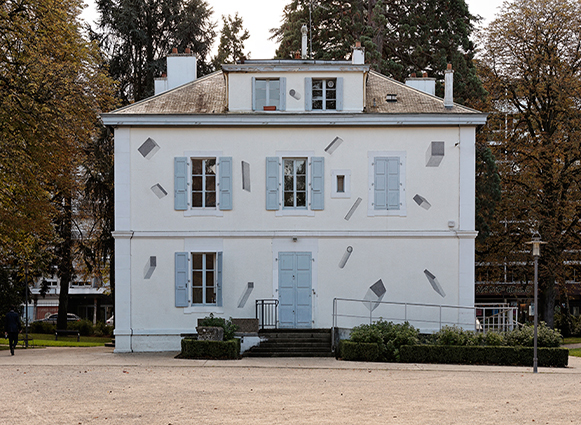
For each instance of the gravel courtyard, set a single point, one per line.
(95, 386)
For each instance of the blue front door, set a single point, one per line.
(294, 289)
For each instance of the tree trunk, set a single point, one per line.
(65, 266)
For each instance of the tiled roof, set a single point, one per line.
(409, 100)
(207, 95)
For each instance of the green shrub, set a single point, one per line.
(524, 336)
(360, 351)
(493, 339)
(84, 326)
(102, 329)
(41, 328)
(221, 350)
(451, 335)
(388, 336)
(229, 328)
(515, 356)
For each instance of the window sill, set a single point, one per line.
(295, 213)
(204, 309)
(339, 195)
(384, 213)
(203, 212)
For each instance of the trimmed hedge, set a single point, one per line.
(222, 350)
(505, 356)
(360, 351)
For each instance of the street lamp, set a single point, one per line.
(536, 243)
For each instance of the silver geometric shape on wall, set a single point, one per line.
(374, 295)
(434, 282)
(353, 208)
(435, 154)
(245, 295)
(150, 267)
(345, 257)
(295, 94)
(422, 202)
(159, 191)
(333, 145)
(148, 148)
(245, 176)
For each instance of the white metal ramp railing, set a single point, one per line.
(429, 318)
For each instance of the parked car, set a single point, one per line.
(111, 321)
(71, 317)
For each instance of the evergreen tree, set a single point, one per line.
(232, 38)
(137, 35)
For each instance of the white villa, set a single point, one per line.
(298, 181)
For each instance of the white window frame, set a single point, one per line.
(402, 211)
(268, 98)
(299, 211)
(295, 190)
(200, 246)
(323, 99)
(203, 211)
(347, 183)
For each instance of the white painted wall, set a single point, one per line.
(394, 249)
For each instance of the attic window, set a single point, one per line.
(391, 98)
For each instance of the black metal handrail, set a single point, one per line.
(267, 313)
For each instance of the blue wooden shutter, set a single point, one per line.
(254, 93)
(180, 183)
(219, 279)
(225, 169)
(272, 171)
(339, 93)
(380, 183)
(181, 278)
(308, 94)
(282, 94)
(393, 183)
(317, 183)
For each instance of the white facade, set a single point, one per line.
(428, 224)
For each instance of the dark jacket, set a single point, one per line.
(12, 321)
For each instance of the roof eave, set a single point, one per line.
(299, 120)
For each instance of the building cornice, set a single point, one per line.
(294, 120)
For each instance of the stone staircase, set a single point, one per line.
(292, 343)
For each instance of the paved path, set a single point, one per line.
(95, 386)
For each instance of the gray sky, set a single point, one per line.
(261, 15)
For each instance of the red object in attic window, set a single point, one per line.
(269, 108)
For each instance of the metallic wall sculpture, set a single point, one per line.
(434, 282)
(346, 256)
(149, 267)
(295, 94)
(353, 208)
(422, 202)
(374, 295)
(435, 154)
(245, 176)
(333, 145)
(245, 295)
(148, 148)
(159, 191)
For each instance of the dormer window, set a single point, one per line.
(268, 94)
(325, 94)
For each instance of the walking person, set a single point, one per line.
(12, 328)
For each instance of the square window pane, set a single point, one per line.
(196, 166)
(209, 279)
(197, 199)
(317, 85)
(317, 94)
(301, 183)
(210, 199)
(317, 104)
(197, 296)
(210, 296)
(209, 261)
(211, 166)
(301, 199)
(331, 94)
(288, 183)
(197, 277)
(211, 183)
(197, 183)
(331, 84)
(197, 261)
(288, 167)
(301, 166)
(289, 199)
(331, 104)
